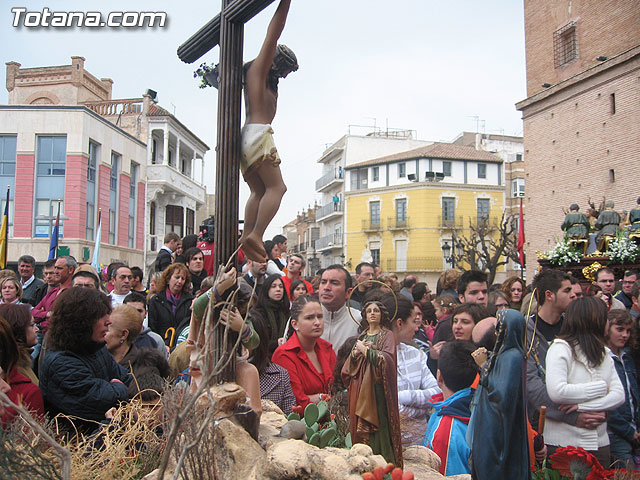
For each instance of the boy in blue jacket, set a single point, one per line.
(447, 426)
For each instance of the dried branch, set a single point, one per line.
(487, 246)
(62, 453)
(211, 372)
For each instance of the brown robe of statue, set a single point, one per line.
(360, 377)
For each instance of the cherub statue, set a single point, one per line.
(233, 316)
(576, 224)
(370, 374)
(608, 222)
(260, 160)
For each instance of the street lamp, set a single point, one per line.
(449, 256)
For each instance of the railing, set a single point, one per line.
(394, 223)
(414, 264)
(329, 209)
(326, 179)
(451, 222)
(333, 240)
(116, 107)
(486, 222)
(300, 248)
(176, 180)
(369, 226)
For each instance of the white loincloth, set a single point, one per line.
(257, 147)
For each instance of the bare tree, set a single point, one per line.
(488, 245)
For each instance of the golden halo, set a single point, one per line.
(370, 281)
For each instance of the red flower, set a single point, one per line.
(576, 462)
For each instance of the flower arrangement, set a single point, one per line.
(575, 463)
(563, 253)
(622, 250)
(208, 75)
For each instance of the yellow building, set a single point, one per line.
(401, 209)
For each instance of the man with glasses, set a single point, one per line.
(607, 281)
(630, 277)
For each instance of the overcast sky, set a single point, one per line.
(425, 65)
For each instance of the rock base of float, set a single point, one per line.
(238, 456)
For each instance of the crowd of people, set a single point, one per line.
(78, 344)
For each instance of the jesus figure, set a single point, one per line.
(260, 162)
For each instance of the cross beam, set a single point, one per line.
(238, 11)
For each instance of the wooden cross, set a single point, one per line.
(226, 30)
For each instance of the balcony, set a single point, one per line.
(395, 223)
(301, 248)
(328, 211)
(451, 222)
(130, 106)
(414, 264)
(330, 241)
(172, 181)
(488, 223)
(371, 226)
(329, 180)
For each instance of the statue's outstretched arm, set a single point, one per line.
(263, 61)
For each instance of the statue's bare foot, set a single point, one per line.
(254, 249)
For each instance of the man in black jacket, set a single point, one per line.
(165, 255)
(28, 281)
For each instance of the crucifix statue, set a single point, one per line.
(252, 150)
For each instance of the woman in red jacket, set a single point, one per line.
(308, 358)
(21, 390)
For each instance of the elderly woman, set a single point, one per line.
(125, 327)
(25, 333)
(13, 384)
(78, 376)
(170, 308)
(10, 290)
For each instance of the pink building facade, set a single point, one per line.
(50, 149)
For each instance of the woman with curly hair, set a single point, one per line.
(25, 333)
(170, 308)
(13, 384)
(78, 376)
(516, 289)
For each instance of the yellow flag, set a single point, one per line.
(4, 238)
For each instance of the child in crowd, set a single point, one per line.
(447, 427)
(622, 422)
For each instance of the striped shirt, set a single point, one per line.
(416, 383)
